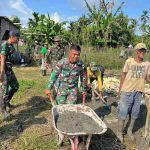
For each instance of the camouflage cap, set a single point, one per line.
(140, 46)
(57, 38)
(93, 66)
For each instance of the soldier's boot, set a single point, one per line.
(130, 134)
(44, 72)
(6, 115)
(4, 112)
(120, 129)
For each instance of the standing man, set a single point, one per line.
(57, 51)
(130, 51)
(135, 72)
(44, 59)
(66, 73)
(9, 83)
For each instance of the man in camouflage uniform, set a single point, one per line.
(57, 51)
(65, 77)
(9, 84)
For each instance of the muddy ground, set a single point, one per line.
(110, 118)
(31, 125)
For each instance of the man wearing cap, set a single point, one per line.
(57, 51)
(128, 53)
(37, 49)
(134, 74)
(9, 83)
(94, 74)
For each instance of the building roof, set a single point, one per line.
(4, 17)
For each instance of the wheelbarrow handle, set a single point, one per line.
(83, 98)
(51, 99)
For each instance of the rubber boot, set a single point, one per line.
(130, 134)
(44, 72)
(120, 129)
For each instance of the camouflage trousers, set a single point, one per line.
(8, 88)
(53, 64)
(68, 96)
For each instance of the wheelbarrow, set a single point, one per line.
(74, 137)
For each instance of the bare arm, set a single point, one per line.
(123, 75)
(148, 78)
(3, 57)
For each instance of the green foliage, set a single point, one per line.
(108, 58)
(42, 29)
(104, 26)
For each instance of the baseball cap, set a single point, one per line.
(140, 46)
(130, 46)
(14, 33)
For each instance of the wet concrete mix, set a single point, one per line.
(72, 122)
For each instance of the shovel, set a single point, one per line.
(102, 99)
(145, 140)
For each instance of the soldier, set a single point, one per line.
(37, 49)
(9, 84)
(66, 73)
(57, 51)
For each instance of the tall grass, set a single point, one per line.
(108, 58)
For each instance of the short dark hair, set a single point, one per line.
(14, 34)
(75, 47)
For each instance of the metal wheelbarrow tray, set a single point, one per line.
(78, 108)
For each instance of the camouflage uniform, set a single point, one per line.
(65, 77)
(57, 52)
(10, 84)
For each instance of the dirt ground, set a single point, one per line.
(31, 125)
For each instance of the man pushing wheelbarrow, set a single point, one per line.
(65, 78)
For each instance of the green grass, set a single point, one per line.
(109, 58)
(32, 114)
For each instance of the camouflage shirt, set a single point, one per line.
(8, 50)
(67, 75)
(57, 52)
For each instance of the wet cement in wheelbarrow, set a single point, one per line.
(72, 122)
